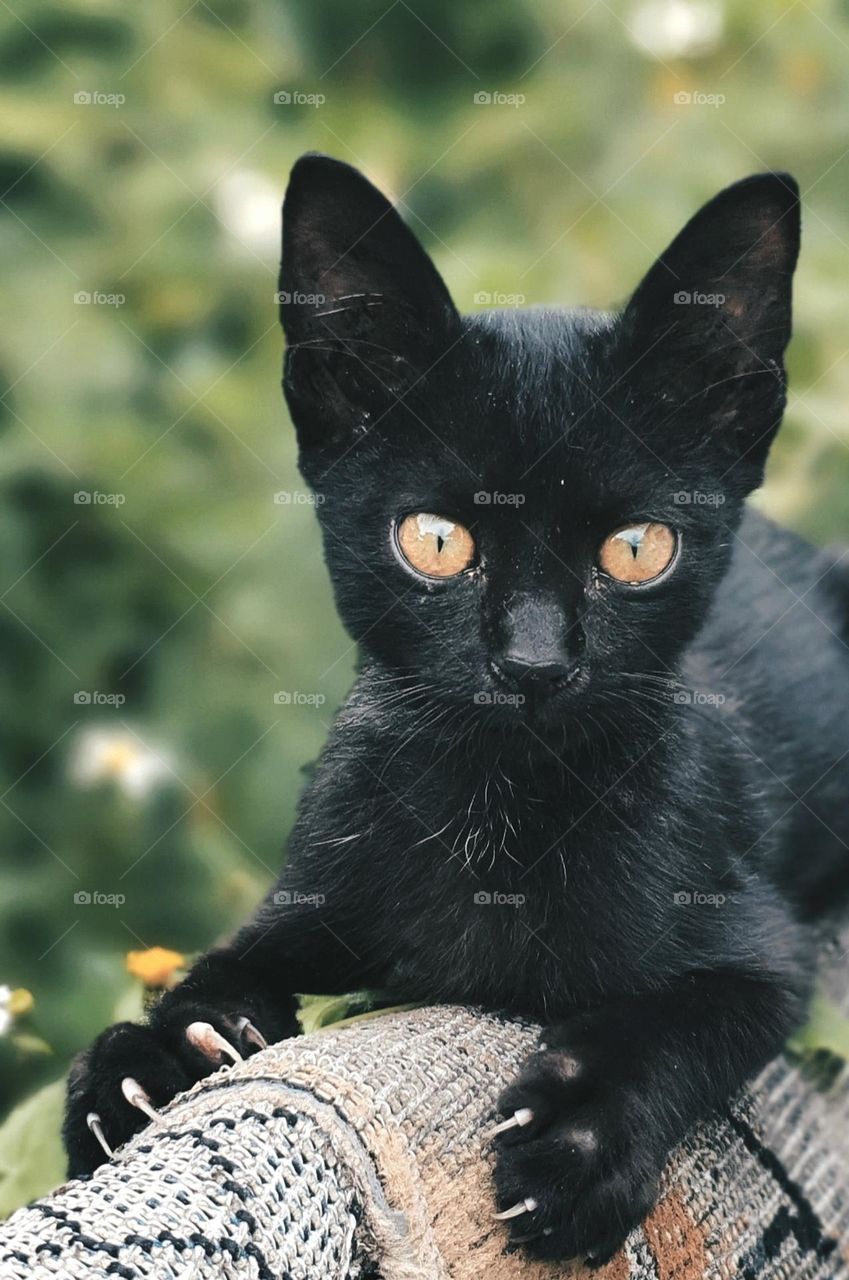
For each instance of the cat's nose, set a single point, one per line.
(519, 668)
(533, 647)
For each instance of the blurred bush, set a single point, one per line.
(154, 595)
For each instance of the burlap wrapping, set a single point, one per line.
(361, 1152)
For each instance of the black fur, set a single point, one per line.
(657, 827)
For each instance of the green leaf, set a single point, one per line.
(129, 1007)
(26, 1042)
(317, 1012)
(368, 1014)
(32, 1161)
(826, 1029)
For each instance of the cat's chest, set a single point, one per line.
(488, 824)
(475, 882)
(496, 896)
(494, 940)
(496, 826)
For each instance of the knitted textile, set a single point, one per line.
(360, 1153)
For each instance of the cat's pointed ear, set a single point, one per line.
(364, 310)
(711, 319)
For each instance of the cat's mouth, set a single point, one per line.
(541, 694)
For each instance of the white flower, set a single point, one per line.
(5, 1009)
(101, 754)
(248, 206)
(677, 28)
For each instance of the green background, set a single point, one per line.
(194, 595)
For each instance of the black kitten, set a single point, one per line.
(594, 767)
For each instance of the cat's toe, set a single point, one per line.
(119, 1085)
(206, 1038)
(570, 1215)
(115, 1088)
(575, 1171)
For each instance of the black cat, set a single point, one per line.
(595, 764)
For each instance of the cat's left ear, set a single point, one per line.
(364, 310)
(710, 321)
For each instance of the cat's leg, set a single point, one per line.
(234, 1001)
(596, 1111)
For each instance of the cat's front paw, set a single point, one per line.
(576, 1170)
(117, 1085)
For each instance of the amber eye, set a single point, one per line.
(638, 552)
(434, 545)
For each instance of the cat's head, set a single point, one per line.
(530, 509)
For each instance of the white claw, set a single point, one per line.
(204, 1037)
(523, 1206)
(138, 1097)
(93, 1122)
(518, 1120)
(248, 1031)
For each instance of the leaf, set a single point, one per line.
(129, 1007)
(317, 1012)
(826, 1029)
(375, 1013)
(26, 1042)
(32, 1161)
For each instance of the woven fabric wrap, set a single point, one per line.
(361, 1153)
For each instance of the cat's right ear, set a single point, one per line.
(364, 310)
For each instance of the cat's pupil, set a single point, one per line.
(435, 545)
(634, 539)
(651, 545)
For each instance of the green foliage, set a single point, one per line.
(826, 1031)
(199, 597)
(318, 1012)
(32, 1161)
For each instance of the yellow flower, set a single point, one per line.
(13, 1003)
(20, 1001)
(154, 966)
